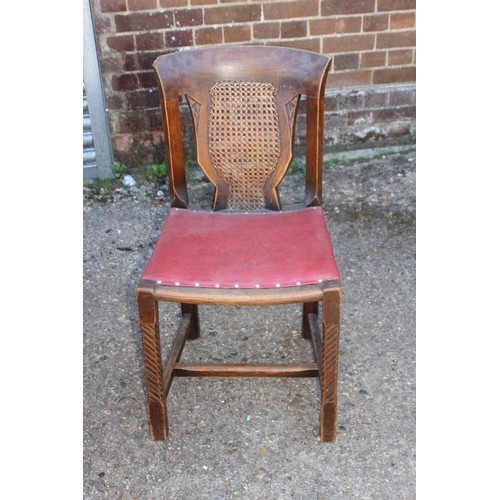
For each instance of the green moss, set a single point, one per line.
(118, 169)
(157, 172)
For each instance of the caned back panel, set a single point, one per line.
(244, 143)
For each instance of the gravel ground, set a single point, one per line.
(257, 438)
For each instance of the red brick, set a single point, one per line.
(130, 62)
(394, 75)
(239, 33)
(396, 39)
(345, 61)
(293, 29)
(179, 38)
(149, 41)
(266, 30)
(143, 60)
(386, 5)
(373, 59)
(141, 4)
(205, 36)
(232, 14)
(133, 121)
(330, 26)
(126, 81)
(146, 59)
(188, 17)
(378, 22)
(339, 7)
(143, 99)
(174, 3)
(155, 123)
(402, 21)
(311, 44)
(348, 43)
(113, 6)
(143, 21)
(350, 79)
(286, 10)
(202, 2)
(399, 57)
(121, 43)
(147, 79)
(121, 143)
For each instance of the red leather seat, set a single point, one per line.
(236, 250)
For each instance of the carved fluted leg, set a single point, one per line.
(194, 326)
(148, 319)
(329, 365)
(308, 308)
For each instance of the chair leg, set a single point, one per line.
(148, 318)
(329, 365)
(308, 308)
(194, 327)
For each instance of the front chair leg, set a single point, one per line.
(330, 364)
(147, 307)
(194, 326)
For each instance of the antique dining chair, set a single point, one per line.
(247, 250)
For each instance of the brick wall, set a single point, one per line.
(370, 91)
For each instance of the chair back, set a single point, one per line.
(244, 103)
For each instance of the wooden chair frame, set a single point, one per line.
(296, 73)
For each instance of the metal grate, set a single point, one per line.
(89, 154)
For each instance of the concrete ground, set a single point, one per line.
(258, 438)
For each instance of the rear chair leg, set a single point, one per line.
(329, 367)
(194, 327)
(148, 318)
(308, 308)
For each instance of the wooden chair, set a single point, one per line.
(247, 250)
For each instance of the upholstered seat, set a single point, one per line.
(243, 250)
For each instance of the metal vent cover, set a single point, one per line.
(89, 155)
